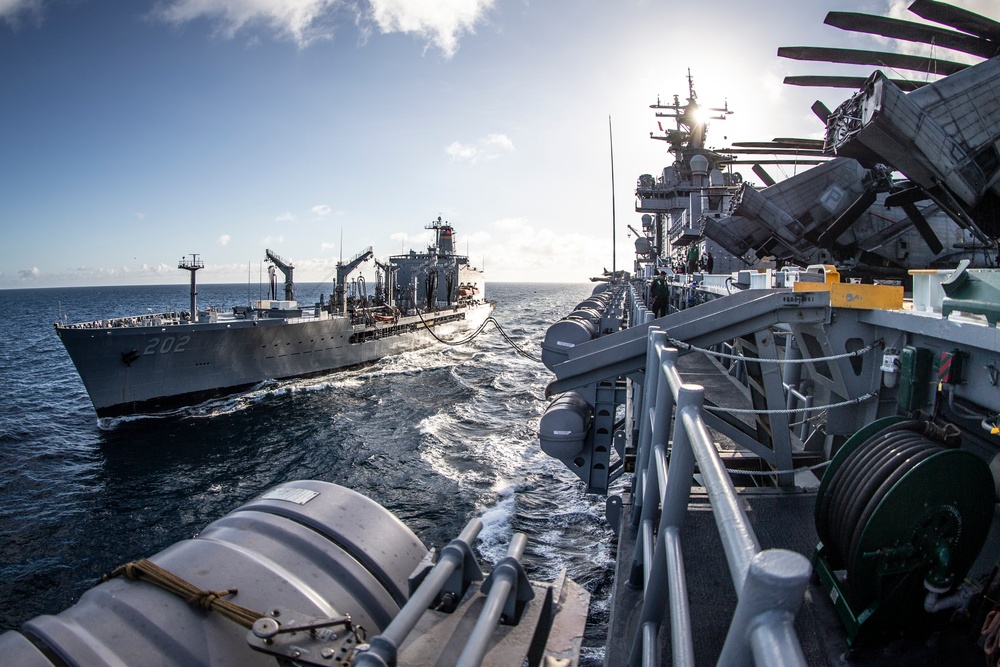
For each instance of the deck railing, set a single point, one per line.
(505, 589)
(454, 569)
(770, 584)
(150, 320)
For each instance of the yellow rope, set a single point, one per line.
(146, 570)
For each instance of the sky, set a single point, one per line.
(136, 132)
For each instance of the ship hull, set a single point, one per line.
(151, 369)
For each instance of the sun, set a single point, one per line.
(699, 114)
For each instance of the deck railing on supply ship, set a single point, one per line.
(150, 320)
(770, 584)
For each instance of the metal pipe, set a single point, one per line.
(648, 523)
(504, 580)
(648, 548)
(677, 490)
(774, 642)
(384, 646)
(650, 640)
(681, 475)
(668, 366)
(775, 583)
(650, 390)
(770, 584)
(680, 613)
(659, 433)
(738, 539)
(805, 425)
(959, 599)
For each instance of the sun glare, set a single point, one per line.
(700, 115)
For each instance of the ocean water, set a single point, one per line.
(437, 436)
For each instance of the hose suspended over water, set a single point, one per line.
(468, 339)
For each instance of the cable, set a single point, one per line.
(475, 334)
(726, 355)
(788, 411)
(764, 473)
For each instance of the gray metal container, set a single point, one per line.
(562, 337)
(563, 428)
(598, 303)
(589, 314)
(312, 547)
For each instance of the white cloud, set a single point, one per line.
(160, 269)
(461, 151)
(899, 9)
(285, 217)
(414, 241)
(489, 147)
(272, 239)
(223, 240)
(327, 245)
(29, 274)
(321, 210)
(440, 22)
(12, 10)
(301, 20)
(518, 251)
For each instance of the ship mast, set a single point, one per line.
(192, 265)
(444, 237)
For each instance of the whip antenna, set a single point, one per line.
(611, 142)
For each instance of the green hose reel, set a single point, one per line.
(899, 515)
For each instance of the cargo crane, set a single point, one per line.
(345, 269)
(385, 279)
(285, 268)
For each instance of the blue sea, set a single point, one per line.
(437, 436)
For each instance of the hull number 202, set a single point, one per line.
(166, 344)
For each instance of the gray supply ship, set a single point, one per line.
(156, 362)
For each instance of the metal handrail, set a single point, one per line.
(505, 583)
(383, 648)
(770, 584)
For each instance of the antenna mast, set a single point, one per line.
(192, 265)
(614, 249)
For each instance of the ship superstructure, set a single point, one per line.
(697, 184)
(802, 463)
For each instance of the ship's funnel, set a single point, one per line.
(446, 240)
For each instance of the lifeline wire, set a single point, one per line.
(468, 339)
(788, 411)
(764, 473)
(724, 355)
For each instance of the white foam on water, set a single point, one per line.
(405, 363)
(497, 529)
(436, 459)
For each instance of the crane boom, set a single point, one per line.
(285, 268)
(344, 269)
